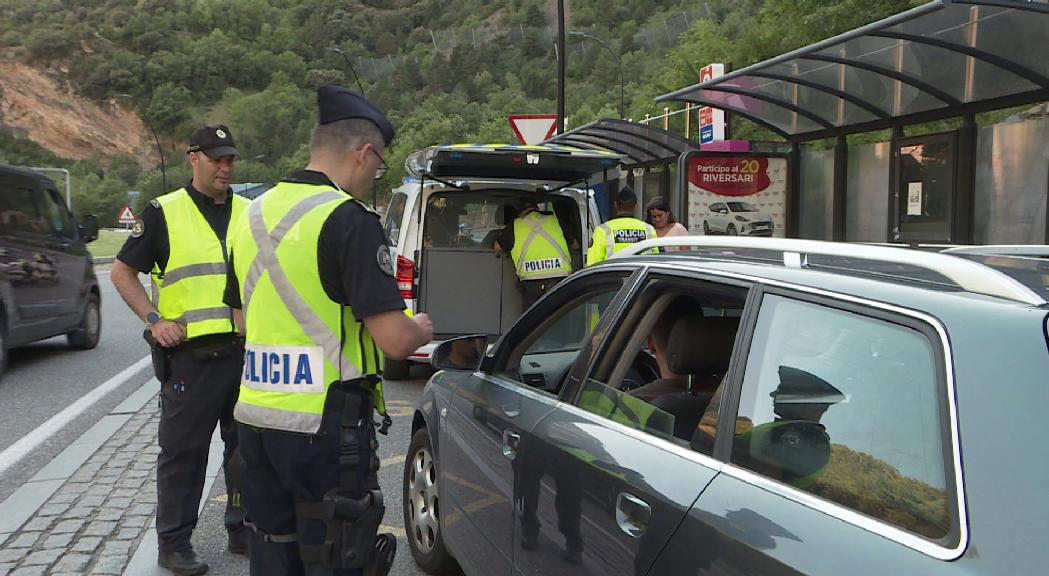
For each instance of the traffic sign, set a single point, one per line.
(533, 128)
(126, 216)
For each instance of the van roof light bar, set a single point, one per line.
(970, 276)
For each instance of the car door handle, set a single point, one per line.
(632, 514)
(511, 441)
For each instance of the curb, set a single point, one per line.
(103, 259)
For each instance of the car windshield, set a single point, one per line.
(741, 207)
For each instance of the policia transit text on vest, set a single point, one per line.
(305, 351)
(540, 250)
(616, 234)
(189, 290)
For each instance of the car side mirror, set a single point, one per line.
(89, 228)
(464, 353)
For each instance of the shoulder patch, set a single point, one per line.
(138, 229)
(385, 260)
(155, 203)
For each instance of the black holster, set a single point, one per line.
(353, 511)
(161, 357)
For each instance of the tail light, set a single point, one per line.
(406, 277)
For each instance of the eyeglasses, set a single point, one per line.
(384, 169)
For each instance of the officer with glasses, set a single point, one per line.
(310, 268)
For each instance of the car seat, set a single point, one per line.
(700, 347)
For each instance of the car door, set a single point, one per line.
(493, 410)
(841, 449)
(68, 255)
(25, 256)
(614, 477)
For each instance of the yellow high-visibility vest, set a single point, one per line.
(299, 340)
(190, 288)
(540, 250)
(616, 234)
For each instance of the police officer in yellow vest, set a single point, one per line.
(313, 274)
(621, 231)
(181, 241)
(539, 251)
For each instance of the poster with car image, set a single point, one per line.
(737, 195)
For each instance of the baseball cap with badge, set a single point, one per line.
(214, 140)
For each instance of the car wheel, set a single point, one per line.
(422, 520)
(706, 227)
(85, 336)
(731, 230)
(396, 369)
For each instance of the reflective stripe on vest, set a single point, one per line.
(191, 287)
(299, 341)
(547, 258)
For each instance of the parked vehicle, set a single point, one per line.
(47, 283)
(826, 395)
(737, 218)
(443, 221)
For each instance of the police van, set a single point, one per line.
(443, 221)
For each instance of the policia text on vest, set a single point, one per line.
(319, 318)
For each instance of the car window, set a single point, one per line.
(394, 215)
(548, 340)
(19, 212)
(58, 216)
(846, 407)
(667, 362)
(462, 221)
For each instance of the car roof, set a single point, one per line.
(891, 275)
(26, 173)
(547, 163)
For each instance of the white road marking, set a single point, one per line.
(15, 452)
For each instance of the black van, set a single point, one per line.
(47, 284)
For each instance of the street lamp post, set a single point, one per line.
(618, 61)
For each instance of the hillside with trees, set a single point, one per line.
(444, 71)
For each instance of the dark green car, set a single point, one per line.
(744, 406)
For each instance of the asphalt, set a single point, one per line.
(78, 455)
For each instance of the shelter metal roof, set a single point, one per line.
(641, 144)
(942, 59)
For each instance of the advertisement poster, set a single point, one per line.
(737, 195)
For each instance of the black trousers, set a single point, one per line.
(196, 396)
(532, 290)
(282, 467)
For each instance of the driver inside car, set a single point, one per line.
(669, 382)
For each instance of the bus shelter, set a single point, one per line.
(944, 59)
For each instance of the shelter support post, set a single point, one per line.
(965, 191)
(793, 213)
(840, 192)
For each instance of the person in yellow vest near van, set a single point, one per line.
(538, 248)
(181, 242)
(621, 231)
(310, 268)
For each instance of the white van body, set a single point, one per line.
(441, 224)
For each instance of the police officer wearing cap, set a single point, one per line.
(621, 231)
(313, 274)
(539, 251)
(181, 242)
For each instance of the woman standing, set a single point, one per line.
(658, 214)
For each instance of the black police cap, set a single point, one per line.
(336, 103)
(803, 387)
(626, 196)
(215, 140)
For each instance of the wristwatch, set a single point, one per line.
(153, 317)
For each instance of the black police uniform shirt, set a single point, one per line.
(142, 250)
(352, 270)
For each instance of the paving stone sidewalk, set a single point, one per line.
(93, 523)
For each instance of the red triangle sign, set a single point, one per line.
(126, 216)
(533, 128)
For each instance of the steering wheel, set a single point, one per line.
(643, 369)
